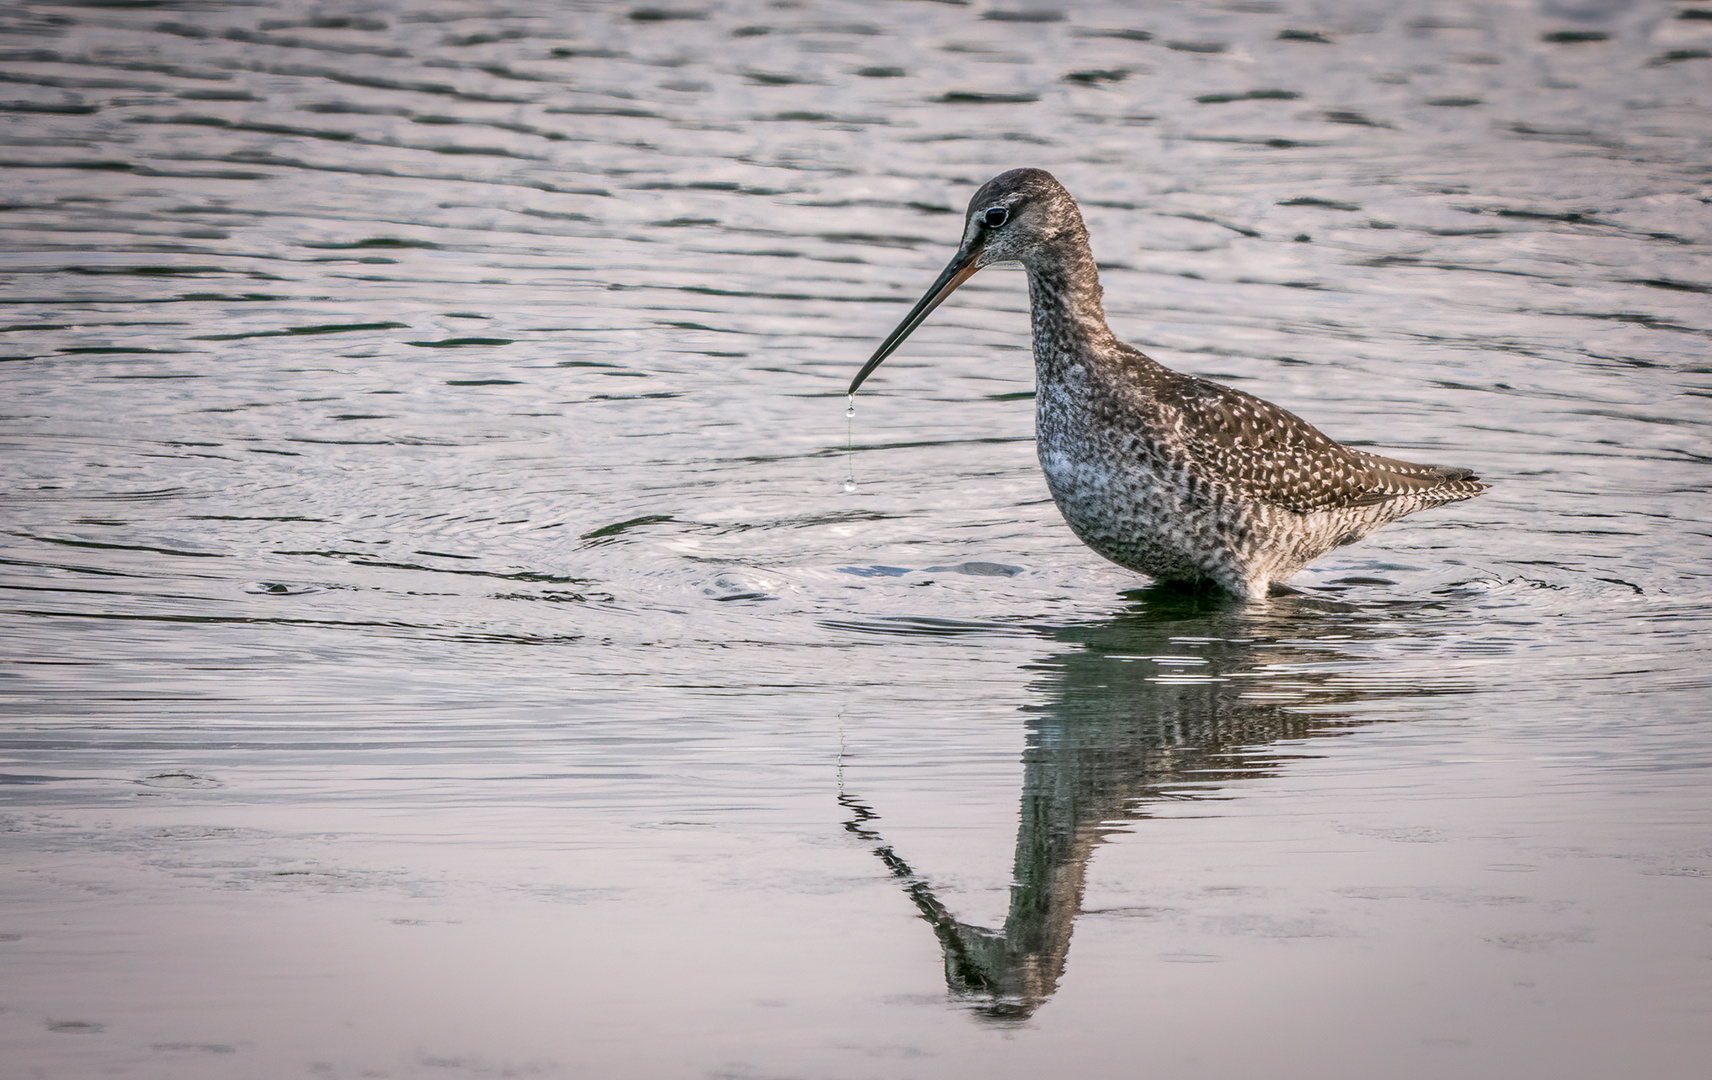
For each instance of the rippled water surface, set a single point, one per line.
(438, 641)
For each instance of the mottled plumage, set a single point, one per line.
(1163, 473)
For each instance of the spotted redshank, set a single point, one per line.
(1166, 474)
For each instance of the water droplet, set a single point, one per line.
(850, 447)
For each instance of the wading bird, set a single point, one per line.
(1166, 474)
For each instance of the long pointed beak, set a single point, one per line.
(956, 273)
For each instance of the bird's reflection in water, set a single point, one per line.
(1176, 696)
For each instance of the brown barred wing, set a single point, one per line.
(1441, 483)
(1236, 440)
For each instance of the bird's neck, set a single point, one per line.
(1064, 299)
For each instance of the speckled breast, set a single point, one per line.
(1125, 498)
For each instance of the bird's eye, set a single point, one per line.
(994, 216)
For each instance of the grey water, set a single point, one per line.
(438, 641)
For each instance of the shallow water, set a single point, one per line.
(438, 642)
